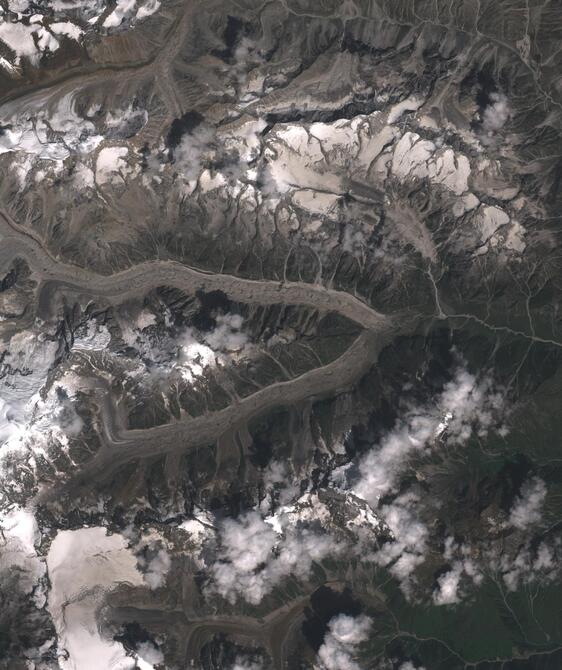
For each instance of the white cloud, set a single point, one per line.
(469, 405)
(258, 555)
(243, 663)
(353, 240)
(380, 468)
(123, 122)
(248, 543)
(243, 138)
(408, 665)
(496, 114)
(147, 656)
(465, 405)
(408, 546)
(64, 415)
(530, 565)
(190, 154)
(193, 356)
(156, 565)
(224, 341)
(186, 354)
(276, 473)
(279, 485)
(227, 335)
(448, 591)
(527, 508)
(345, 634)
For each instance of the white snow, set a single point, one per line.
(490, 219)
(123, 9)
(110, 164)
(149, 8)
(96, 338)
(126, 10)
(32, 131)
(398, 110)
(416, 157)
(33, 356)
(67, 28)
(466, 203)
(145, 319)
(18, 537)
(316, 202)
(83, 566)
(20, 39)
(83, 176)
(46, 41)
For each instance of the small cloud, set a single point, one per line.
(227, 336)
(155, 564)
(530, 565)
(408, 546)
(527, 508)
(345, 634)
(193, 151)
(465, 406)
(258, 555)
(447, 592)
(496, 114)
(243, 663)
(279, 485)
(148, 655)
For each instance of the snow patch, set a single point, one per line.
(111, 165)
(416, 157)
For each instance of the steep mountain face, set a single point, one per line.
(281, 335)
